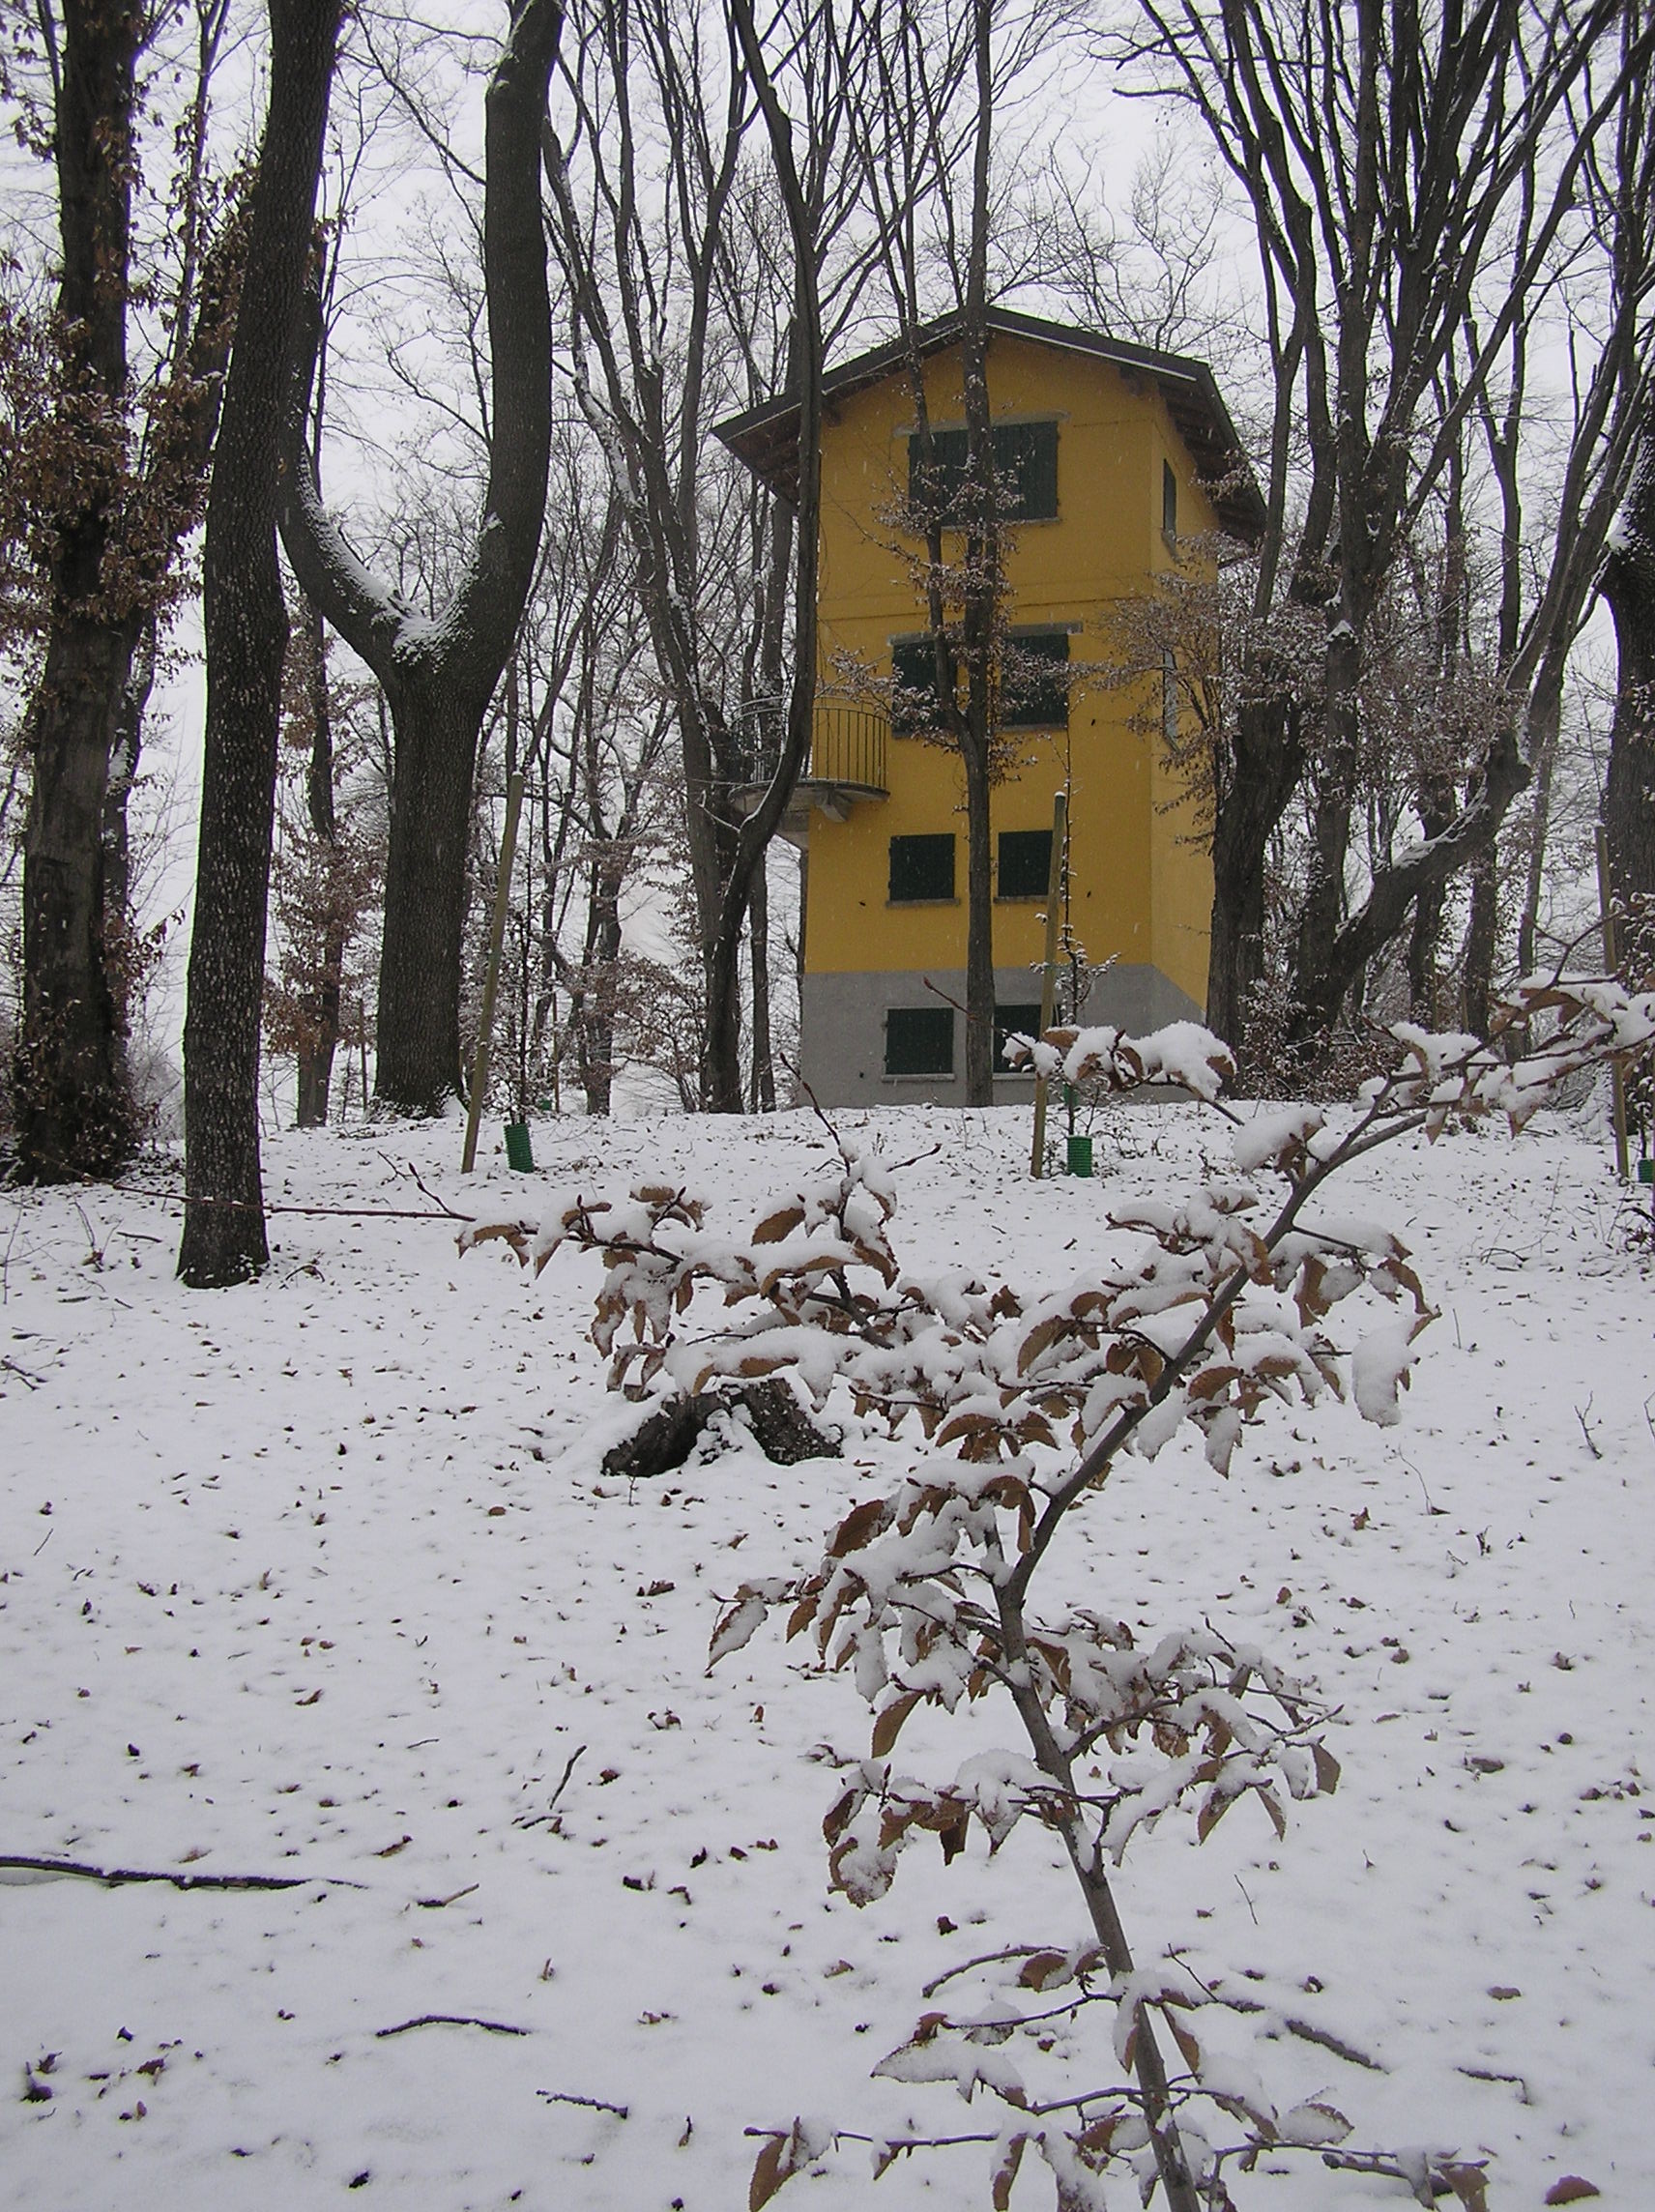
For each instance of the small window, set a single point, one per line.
(920, 1040)
(1024, 467)
(1021, 1020)
(921, 868)
(1025, 863)
(1169, 500)
(913, 673)
(1035, 694)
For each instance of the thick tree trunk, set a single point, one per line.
(1435, 813)
(1629, 789)
(1269, 758)
(1482, 938)
(419, 1019)
(246, 637)
(73, 1112)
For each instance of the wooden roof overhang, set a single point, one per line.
(766, 437)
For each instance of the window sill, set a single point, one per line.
(904, 902)
(930, 1075)
(1020, 898)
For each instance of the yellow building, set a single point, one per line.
(1115, 451)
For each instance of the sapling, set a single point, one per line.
(927, 1591)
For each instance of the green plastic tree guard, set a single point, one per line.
(519, 1151)
(1080, 1155)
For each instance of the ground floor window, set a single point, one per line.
(920, 1040)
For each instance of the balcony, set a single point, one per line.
(847, 768)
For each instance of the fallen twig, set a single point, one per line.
(593, 2103)
(452, 2019)
(1580, 1412)
(537, 1820)
(115, 1877)
(1487, 2074)
(341, 1212)
(436, 1904)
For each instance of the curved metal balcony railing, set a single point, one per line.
(848, 746)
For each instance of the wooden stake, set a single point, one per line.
(1049, 980)
(491, 983)
(1618, 1077)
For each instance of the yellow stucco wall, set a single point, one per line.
(1139, 889)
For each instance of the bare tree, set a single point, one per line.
(99, 490)
(246, 637)
(439, 675)
(944, 79)
(1379, 160)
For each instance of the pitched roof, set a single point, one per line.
(766, 437)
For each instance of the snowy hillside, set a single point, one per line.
(320, 1580)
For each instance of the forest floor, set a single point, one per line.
(320, 1579)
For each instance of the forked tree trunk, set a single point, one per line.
(438, 677)
(247, 638)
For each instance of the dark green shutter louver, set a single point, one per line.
(1025, 863)
(920, 1040)
(921, 868)
(1035, 694)
(1024, 467)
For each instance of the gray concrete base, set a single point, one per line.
(842, 1046)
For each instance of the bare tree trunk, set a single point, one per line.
(322, 1027)
(1269, 758)
(722, 1078)
(1482, 937)
(115, 542)
(1629, 789)
(123, 757)
(246, 637)
(439, 678)
(73, 1111)
(985, 585)
(1435, 813)
(762, 1096)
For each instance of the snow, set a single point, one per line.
(319, 1578)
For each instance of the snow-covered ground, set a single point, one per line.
(319, 1579)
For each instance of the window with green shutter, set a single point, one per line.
(920, 1040)
(1025, 863)
(921, 868)
(1024, 467)
(1034, 689)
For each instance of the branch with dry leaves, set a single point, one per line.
(924, 1592)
